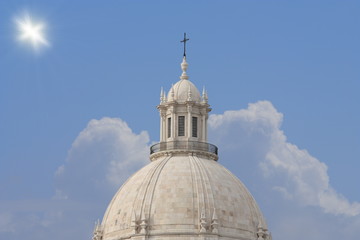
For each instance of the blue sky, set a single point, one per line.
(295, 63)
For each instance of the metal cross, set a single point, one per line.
(184, 41)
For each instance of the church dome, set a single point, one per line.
(183, 193)
(185, 196)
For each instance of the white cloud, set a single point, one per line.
(283, 191)
(297, 174)
(28, 217)
(102, 156)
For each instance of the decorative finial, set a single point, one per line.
(184, 66)
(204, 96)
(172, 93)
(143, 226)
(184, 41)
(97, 231)
(162, 95)
(189, 95)
(202, 221)
(143, 222)
(262, 233)
(214, 223)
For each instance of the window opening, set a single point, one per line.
(194, 126)
(169, 128)
(181, 127)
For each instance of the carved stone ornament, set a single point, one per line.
(203, 221)
(214, 223)
(263, 233)
(143, 226)
(98, 233)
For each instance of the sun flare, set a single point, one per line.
(31, 32)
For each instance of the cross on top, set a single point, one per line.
(184, 41)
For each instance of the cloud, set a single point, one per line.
(102, 156)
(295, 173)
(19, 218)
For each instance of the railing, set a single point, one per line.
(184, 145)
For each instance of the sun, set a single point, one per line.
(31, 32)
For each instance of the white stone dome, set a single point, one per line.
(181, 91)
(172, 195)
(184, 193)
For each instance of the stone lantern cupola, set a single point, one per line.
(183, 120)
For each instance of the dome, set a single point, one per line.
(183, 193)
(184, 90)
(181, 91)
(186, 197)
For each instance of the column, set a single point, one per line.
(203, 129)
(188, 126)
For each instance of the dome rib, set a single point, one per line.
(151, 183)
(154, 187)
(209, 181)
(194, 189)
(142, 191)
(199, 191)
(206, 185)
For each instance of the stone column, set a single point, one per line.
(189, 126)
(173, 115)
